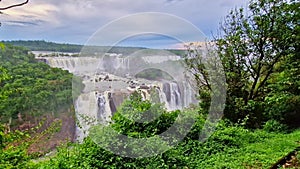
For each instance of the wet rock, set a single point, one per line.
(132, 86)
(144, 87)
(106, 78)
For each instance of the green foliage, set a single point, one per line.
(10, 155)
(136, 119)
(46, 46)
(259, 50)
(178, 52)
(142, 117)
(274, 126)
(154, 74)
(260, 55)
(251, 47)
(29, 90)
(230, 146)
(40, 45)
(283, 100)
(3, 75)
(30, 87)
(90, 50)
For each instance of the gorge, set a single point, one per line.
(110, 79)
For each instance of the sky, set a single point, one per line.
(78, 21)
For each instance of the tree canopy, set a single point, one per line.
(252, 45)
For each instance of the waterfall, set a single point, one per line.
(176, 96)
(91, 108)
(73, 64)
(104, 112)
(83, 65)
(86, 113)
(94, 107)
(99, 100)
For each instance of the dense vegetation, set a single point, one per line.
(30, 88)
(230, 146)
(260, 55)
(39, 45)
(259, 50)
(34, 100)
(153, 74)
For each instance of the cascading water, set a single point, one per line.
(82, 65)
(176, 96)
(170, 95)
(86, 113)
(97, 105)
(73, 64)
(101, 102)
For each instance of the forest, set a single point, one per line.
(259, 49)
(40, 45)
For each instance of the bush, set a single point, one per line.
(274, 126)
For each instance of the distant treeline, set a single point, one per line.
(41, 45)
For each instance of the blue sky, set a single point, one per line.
(75, 21)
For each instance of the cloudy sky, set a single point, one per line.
(76, 21)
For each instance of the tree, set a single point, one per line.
(3, 75)
(251, 44)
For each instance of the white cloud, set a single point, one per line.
(74, 21)
(36, 12)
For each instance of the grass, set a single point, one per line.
(261, 153)
(229, 147)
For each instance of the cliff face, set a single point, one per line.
(52, 131)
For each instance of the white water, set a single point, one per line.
(95, 105)
(85, 65)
